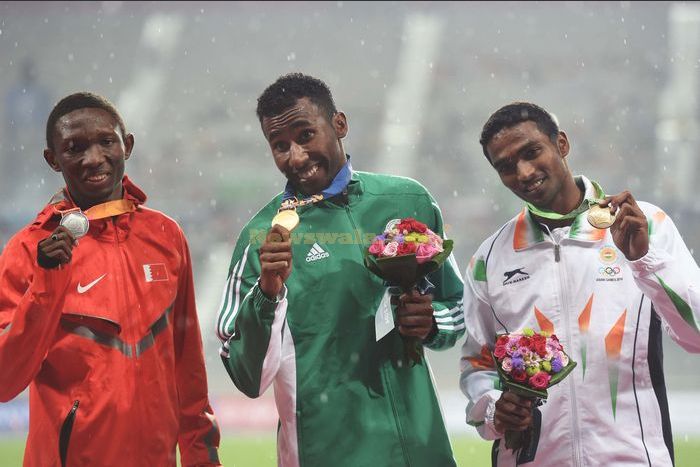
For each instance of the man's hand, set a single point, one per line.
(630, 231)
(56, 249)
(513, 413)
(275, 261)
(415, 314)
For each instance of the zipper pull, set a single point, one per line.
(556, 252)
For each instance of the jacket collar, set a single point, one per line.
(61, 201)
(528, 232)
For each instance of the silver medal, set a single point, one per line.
(77, 223)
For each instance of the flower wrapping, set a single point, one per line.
(528, 363)
(403, 256)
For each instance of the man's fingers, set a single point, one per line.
(617, 202)
(415, 297)
(630, 224)
(274, 250)
(508, 423)
(276, 257)
(62, 255)
(279, 266)
(415, 320)
(413, 331)
(509, 397)
(277, 234)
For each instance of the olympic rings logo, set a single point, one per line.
(609, 271)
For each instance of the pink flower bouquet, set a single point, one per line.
(528, 364)
(403, 255)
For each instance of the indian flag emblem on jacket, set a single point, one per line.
(155, 272)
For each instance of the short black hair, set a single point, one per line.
(77, 101)
(284, 93)
(518, 112)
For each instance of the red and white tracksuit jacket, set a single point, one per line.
(109, 344)
(608, 313)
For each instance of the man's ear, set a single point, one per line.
(128, 145)
(50, 159)
(563, 144)
(340, 124)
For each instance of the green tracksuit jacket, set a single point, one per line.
(343, 398)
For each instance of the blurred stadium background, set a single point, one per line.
(416, 80)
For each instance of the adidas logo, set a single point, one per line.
(316, 253)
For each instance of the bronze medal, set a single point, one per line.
(288, 219)
(599, 217)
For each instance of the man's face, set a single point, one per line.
(529, 163)
(89, 150)
(306, 146)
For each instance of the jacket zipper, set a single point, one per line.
(572, 390)
(385, 377)
(66, 430)
(395, 410)
(129, 317)
(355, 231)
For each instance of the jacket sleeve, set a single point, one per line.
(198, 437)
(31, 301)
(479, 380)
(447, 296)
(249, 324)
(670, 277)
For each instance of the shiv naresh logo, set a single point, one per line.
(516, 275)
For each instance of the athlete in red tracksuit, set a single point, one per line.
(105, 331)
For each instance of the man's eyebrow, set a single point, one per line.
(527, 146)
(518, 152)
(296, 124)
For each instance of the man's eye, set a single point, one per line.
(504, 168)
(107, 141)
(306, 135)
(532, 153)
(280, 147)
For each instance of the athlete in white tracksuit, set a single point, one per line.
(605, 293)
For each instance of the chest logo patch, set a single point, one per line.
(608, 255)
(84, 288)
(391, 224)
(155, 272)
(516, 275)
(316, 253)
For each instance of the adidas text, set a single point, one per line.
(316, 253)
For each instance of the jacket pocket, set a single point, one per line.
(66, 430)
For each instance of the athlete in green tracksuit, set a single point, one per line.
(300, 313)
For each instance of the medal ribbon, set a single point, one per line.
(583, 207)
(340, 181)
(108, 209)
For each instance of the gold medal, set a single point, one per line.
(599, 217)
(288, 219)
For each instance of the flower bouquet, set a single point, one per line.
(528, 364)
(403, 255)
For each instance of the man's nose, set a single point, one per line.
(525, 170)
(94, 155)
(297, 156)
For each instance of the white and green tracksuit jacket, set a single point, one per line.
(608, 313)
(343, 398)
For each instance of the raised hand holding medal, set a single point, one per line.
(56, 249)
(630, 228)
(276, 252)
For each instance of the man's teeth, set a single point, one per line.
(309, 173)
(97, 178)
(534, 185)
